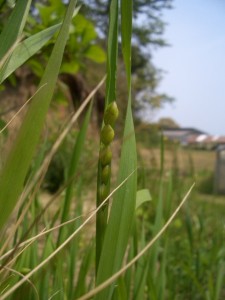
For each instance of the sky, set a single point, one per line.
(194, 64)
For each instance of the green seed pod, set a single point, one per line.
(105, 156)
(25, 271)
(105, 174)
(111, 113)
(107, 134)
(103, 192)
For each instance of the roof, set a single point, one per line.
(183, 130)
(206, 139)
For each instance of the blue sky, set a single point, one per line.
(194, 64)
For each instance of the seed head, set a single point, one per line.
(111, 113)
(107, 134)
(103, 191)
(105, 156)
(105, 174)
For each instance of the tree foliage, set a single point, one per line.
(83, 38)
(147, 35)
(89, 32)
(168, 122)
(82, 48)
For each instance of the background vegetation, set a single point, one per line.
(60, 160)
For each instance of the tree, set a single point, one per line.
(147, 23)
(148, 29)
(83, 46)
(168, 122)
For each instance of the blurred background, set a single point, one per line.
(178, 88)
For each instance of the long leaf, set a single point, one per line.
(112, 53)
(109, 281)
(77, 151)
(24, 50)
(123, 207)
(14, 26)
(143, 196)
(102, 215)
(122, 212)
(15, 169)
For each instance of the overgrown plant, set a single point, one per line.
(43, 251)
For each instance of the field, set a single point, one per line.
(200, 159)
(189, 257)
(91, 213)
(196, 237)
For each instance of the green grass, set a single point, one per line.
(50, 248)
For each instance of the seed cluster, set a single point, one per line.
(106, 137)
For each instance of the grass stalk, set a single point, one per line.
(111, 279)
(78, 147)
(15, 169)
(112, 52)
(58, 249)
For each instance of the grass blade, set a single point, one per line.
(57, 250)
(123, 207)
(102, 216)
(143, 196)
(122, 211)
(111, 279)
(112, 53)
(25, 49)
(17, 164)
(14, 27)
(77, 151)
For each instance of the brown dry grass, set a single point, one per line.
(184, 159)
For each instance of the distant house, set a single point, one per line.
(206, 141)
(194, 138)
(182, 135)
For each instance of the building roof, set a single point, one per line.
(183, 130)
(206, 139)
(193, 136)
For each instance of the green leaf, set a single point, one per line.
(36, 66)
(141, 273)
(142, 197)
(122, 211)
(112, 52)
(123, 206)
(126, 31)
(219, 279)
(14, 27)
(71, 67)
(2, 125)
(26, 49)
(77, 152)
(83, 273)
(85, 28)
(13, 174)
(46, 13)
(95, 53)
